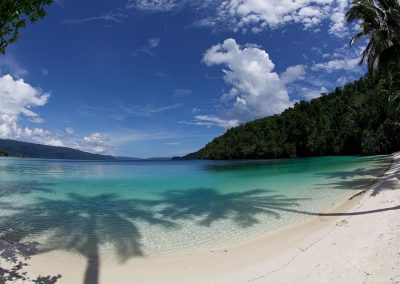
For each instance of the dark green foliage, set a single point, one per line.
(31, 150)
(351, 120)
(13, 16)
(3, 154)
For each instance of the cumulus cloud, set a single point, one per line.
(17, 99)
(293, 73)
(256, 90)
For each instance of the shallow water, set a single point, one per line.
(133, 209)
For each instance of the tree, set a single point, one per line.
(380, 22)
(13, 16)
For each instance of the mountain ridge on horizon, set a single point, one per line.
(15, 148)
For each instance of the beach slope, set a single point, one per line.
(357, 242)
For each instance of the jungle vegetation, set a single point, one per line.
(359, 118)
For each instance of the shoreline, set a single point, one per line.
(294, 253)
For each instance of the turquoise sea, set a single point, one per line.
(142, 208)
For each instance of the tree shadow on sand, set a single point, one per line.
(211, 205)
(82, 224)
(358, 179)
(13, 260)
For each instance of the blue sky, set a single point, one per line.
(149, 78)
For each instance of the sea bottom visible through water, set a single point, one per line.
(144, 208)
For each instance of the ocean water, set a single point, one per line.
(136, 209)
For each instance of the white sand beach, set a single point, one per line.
(358, 242)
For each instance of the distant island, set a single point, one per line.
(20, 149)
(14, 148)
(352, 120)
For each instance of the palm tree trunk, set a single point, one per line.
(92, 269)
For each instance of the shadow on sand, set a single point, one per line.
(211, 206)
(358, 179)
(83, 224)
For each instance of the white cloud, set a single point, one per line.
(310, 94)
(258, 15)
(109, 16)
(95, 138)
(338, 19)
(17, 99)
(293, 73)
(54, 142)
(172, 143)
(209, 120)
(343, 59)
(154, 42)
(126, 111)
(346, 64)
(256, 90)
(94, 143)
(154, 5)
(148, 48)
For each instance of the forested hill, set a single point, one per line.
(30, 150)
(351, 120)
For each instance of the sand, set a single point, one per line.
(359, 242)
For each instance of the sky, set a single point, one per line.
(160, 78)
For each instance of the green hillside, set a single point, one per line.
(351, 120)
(30, 150)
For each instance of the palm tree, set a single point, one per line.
(380, 22)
